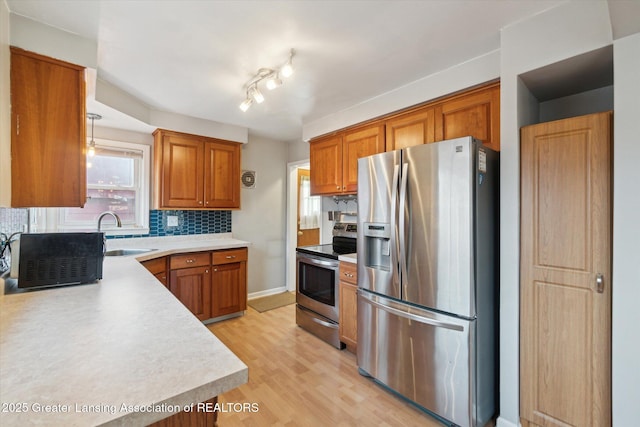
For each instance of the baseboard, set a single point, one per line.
(267, 292)
(501, 422)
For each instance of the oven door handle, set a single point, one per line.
(316, 261)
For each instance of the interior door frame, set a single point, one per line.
(292, 219)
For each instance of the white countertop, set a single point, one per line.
(352, 258)
(90, 349)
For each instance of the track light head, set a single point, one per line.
(273, 81)
(244, 106)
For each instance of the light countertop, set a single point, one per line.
(98, 350)
(352, 258)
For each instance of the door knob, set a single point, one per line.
(300, 233)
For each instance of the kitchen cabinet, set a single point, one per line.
(359, 143)
(201, 415)
(334, 159)
(229, 281)
(212, 283)
(325, 160)
(476, 113)
(158, 267)
(190, 282)
(48, 120)
(348, 320)
(412, 128)
(195, 172)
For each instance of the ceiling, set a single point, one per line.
(195, 57)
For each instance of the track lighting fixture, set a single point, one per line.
(271, 76)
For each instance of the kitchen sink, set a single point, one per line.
(125, 252)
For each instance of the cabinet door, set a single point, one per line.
(182, 172)
(192, 286)
(229, 283)
(476, 114)
(48, 164)
(414, 128)
(348, 324)
(359, 143)
(222, 175)
(158, 267)
(325, 156)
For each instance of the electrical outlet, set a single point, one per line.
(172, 221)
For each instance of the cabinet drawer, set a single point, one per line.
(194, 259)
(349, 272)
(156, 265)
(229, 256)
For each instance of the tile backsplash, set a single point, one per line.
(188, 222)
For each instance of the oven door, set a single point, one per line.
(317, 287)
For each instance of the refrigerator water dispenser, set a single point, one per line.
(377, 246)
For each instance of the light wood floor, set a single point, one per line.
(298, 380)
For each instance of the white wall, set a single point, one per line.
(470, 73)
(262, 218)
(571, 29)
(626, 232)
(592, 101)
(5, 108)
(298, 151)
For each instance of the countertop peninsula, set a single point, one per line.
(123, 351)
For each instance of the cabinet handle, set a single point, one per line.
(215, 269)
(348, 274)
(189, 261)
(231, 256)
(206, 271)
(200, 202)
(337, 187)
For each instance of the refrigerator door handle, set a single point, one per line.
(411, 316)
(403, 234)
(395, 252)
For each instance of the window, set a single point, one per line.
(117, 181)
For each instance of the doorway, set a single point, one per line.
(308, 211)
(292, 221)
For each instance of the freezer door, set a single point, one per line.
(436, 194)
(424, 356)
(377, 249)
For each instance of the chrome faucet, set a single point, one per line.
(113, 214)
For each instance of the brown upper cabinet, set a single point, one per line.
(413, 128)
(334, 159)
(195, 172)
(48, 122)
(476, 113)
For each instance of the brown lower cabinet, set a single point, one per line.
(348, 324)
(210, 284)
(202, 415)
(158, 267)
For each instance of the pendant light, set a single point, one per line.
(92, 144)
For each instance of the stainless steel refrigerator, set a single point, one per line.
(427, 276)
